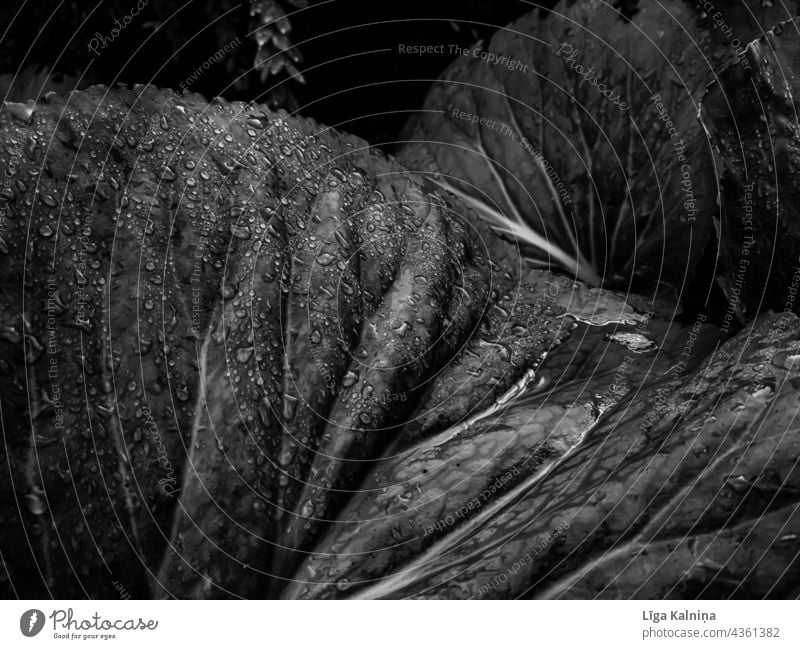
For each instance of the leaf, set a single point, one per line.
(267, 334)
(244, 311)
(558, 133)
(751, 116)
(687, 467)
(430, 493)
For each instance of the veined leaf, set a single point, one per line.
(751, 113)
(685, 466)
(215, 320)
(576, 135)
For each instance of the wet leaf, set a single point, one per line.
(256, 311)
(751, 115)
(576, 135)
(687, 488)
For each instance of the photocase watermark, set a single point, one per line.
(104, 40)
(476, 52)
(548, 297)
(385, 399)
(735, 290)
(620, 385)
(490, 58)
(196, 278)
(87, 248)
(502, 579)
(721, 24)
(787, 316)
(337, 387)
(215, 58)
(687, 187)
(67, 626)
(31, 622)
(169, 483)
(159, 120)
(66, 620)
(675, 373)
(473, 504)
(569, 54)
(688, 347)
(121, 590)
(421, 50)
(506, 131)
(54, 308)
(537, 314)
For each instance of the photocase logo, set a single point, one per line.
(31, 622)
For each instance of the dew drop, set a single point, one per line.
(350, 379)
(402, 328)
(240, 231)
(35, 504)
(289, 406)
(243, 354)
(787, 360)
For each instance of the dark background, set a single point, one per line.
(349, 83)
(45, 44)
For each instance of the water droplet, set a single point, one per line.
(10, 334)
(35, 504)
(145, 345)
(22, 112)
(57, 304)
(350, 379)
(289, 406)
(637, 343)
(240, 231)
(286, 455)
(402, 328)
(243, 354)
(33, 349)
(228, 291)
(787, 360)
